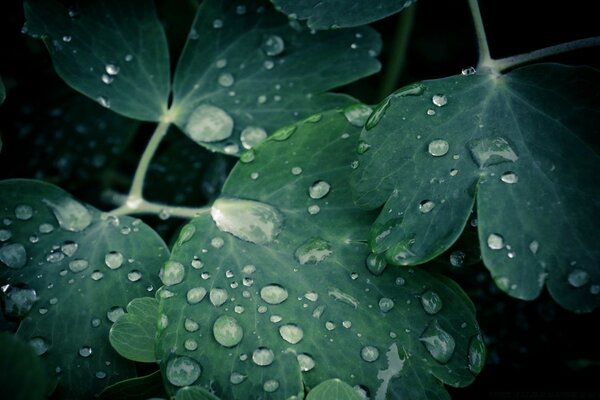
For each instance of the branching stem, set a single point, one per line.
(162, 210)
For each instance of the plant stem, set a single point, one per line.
(485, 59)
(397, 62)
(146, 207)
(514, 61)
(135, 193)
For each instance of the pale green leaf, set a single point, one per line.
(194, 393)
(133, 334)
(142, 388)
(333, 389)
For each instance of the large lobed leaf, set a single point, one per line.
(70, 271)
(333, 14)
(512, 145)
(279, 296)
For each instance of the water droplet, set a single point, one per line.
(314, 209)
(209, 124)
(431, 302)
(495, 241)
(195, 295)
(534, 247)
(509, 177)
(236, 378)
(128, 57)
(217, 23)
(468, 71)
(595, 289)
(457, 258)
(97, 275)
(112, 69)
(95, 322)
(190, 325)
(40, 345)
(273, 45)
(100, 374)
(306, 362)
(338, 295)
(172, 273)
(226, 79)
(439, 343)
(248, 220)
(106, 79)
(284, 133)
(362, 147)
(217, 296)
(78, 265)
(291, 333)
(312, 296)
(85, 351)
(13, 255)
(251, 136)
(296, 171)
(114, 313)
(578, 278)
(217, 242)
(23, 212)
(263, 356)
(439, 100)
(376, 264)
(240, 10)
(313, 251)
(197, 263)
(357, 114)
(70, 214)
(377, 114)
(318, 190)
(104, 101)
(227, 331)
(491, 151)
(5, 234)
(270, 386)
(476, 354)
(182, 371)
(18, 300)
(69, 248)
(113, 259)
(186, 234)
(386, 304)
(369, 353)
(425, 206)
(438, 147)
(273, 294)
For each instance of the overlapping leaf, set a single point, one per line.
(246, 70)
(510, 144)
(133, 334)
(142, 388)
(70, 272)
(114, 52)
(332, 14)
(281, 294)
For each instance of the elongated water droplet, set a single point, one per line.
(209, 124)
(377, 114)
(273, 45)
(273, 294)
(439, 343)
(284, 133)
(78, 265)
(172, 273)
(291, 333)
(425, 206)
(263, 356)
(476, 354)
(438, 147)
(369, 353)
(431, 302)
(182, 371)
(13, 255)
(357, 114)
(578, 278)
(313, 251)
(236, 378)
(495, 241)
(319, 189)
(104, 101)
(248, 220)
(227, 331)
(338, 295)
(376, 264)
(70, 214)
(491, 151)
(251, 136)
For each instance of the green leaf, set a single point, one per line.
(133, 334)
(74, 270)
(142, 388)
(333, 14)
(113, 52)
(333, 389)
(194, 393)
(246, 70)
(281, 294)
(23, 376)
(511, 144)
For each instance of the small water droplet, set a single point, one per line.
(104, 101)
(273, 45)
(5, 234)
(534, 247)
(226, 79)
(369, 353)
(252, 136)
(114, 313)
(40, 345)
(217, 296)
(439, 343)
(578, 278)
(172, 273)
(376, 264)
(236, 378)
(195, 295)
(182, 371)
(97, 275)
(314, 209)
(425, 206)
(263, 356)
(190, 325)
(438, 147)
(457, 258)
(319, 189)
(217, 23)
(439, 100)
(112, 69)
(271, 385)
(13, 255)
(273, 294)
(313, 251)
(305, 361)
(100, 374)
(468, 71)
(431, 302)
(209, 124)
(23, 212)
(495, 241)
(85, 351)
(291, 333)
(509, 177)
(95, 322)
(386, 304)
(217, 242)
(78, 265)
(113, 259)
(362, 147)
(107, 79)
(296, 171)
(227, 331)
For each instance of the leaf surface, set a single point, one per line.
(113, 52)
(70, 272)
(133, 334)
(513, 146)
(333, 389)
(333, 14)
(246, 70)
(281, 294)
(142, 388)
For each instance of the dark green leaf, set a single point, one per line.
(114, 52)
(133, 335)
(281, 293)
(82, 268)
(246, 68)
(142, 388)
(333, 389)
(513, 145)
(333, 14)
(194, 393)
(23, 376)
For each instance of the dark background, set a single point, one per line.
(536, 350)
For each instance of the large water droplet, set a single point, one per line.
(578, 278)
(491, 151)
(13, 255)
(251, 136)
(209, 124)
(319, 189)
(263, 356)
(182, 371)
(273, 45)
(217, 296)
(273, 294)
(248, 220)
(227, 331)
(439, 343)
(113, 259)
(376, 263)
(357, 114)
(313, 251)
(476, 354)
(23, 212)
(78, 265)
(40, 345)
(438, 147)
(18, 300)
(195, 295)
(291, 333)
(431, 302)
(495, 241)
(369, 353)
(172, 273)
(70, 214)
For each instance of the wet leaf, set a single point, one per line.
(246, 70)
(133, 334)
(194, 393)
(333, 14)
(142, 388)
(511, 144)
(333, 389)
(302, 307)
(113, 52)
(80, 269)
